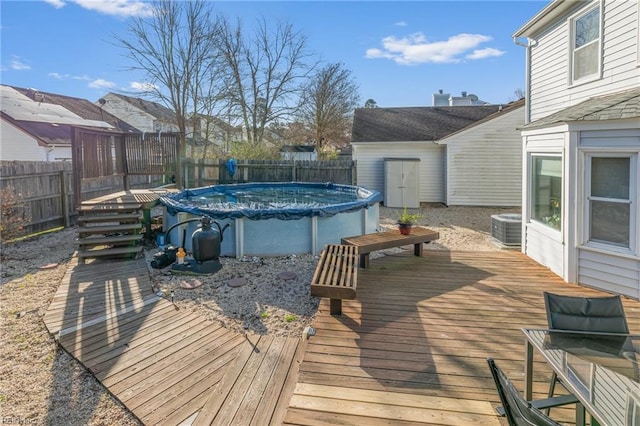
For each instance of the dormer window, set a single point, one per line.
(585, 45)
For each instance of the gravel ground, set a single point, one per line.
(41, 384)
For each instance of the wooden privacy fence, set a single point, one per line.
(108, 159)
(44, 189)
(212, 172)
(47, 193)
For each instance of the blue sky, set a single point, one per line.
(400, 53)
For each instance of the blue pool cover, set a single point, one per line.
(259, 201)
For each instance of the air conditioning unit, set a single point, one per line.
(507, 228)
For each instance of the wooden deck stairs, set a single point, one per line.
(109, 230)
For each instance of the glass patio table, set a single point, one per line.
(600, 369)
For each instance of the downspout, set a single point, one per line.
(527, 82)
(49, 151)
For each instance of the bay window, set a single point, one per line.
(546, 190)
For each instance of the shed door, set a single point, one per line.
(401, 182)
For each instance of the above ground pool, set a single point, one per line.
(274, 219)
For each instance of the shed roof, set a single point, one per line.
(614, 106)
(298, 148)
(415, 123)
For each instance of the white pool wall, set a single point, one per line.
(275, 237)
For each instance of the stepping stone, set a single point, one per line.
(286, 275)
(191, 284)
(237, 282)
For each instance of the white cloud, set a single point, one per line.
(123, 8)
(487, 52)
(18, 64)
(416, 49)
(58, 4)
(101, 84)
(400, 24)
(139, 86)
(58, 76)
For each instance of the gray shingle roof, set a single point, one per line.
(415, 123)
(298, 148)
(614, 106)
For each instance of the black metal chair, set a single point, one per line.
(573, 313)
(518, 411)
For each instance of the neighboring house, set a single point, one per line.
(299, 152)
(37, 126)
(445, 99)
(213, 130)
(153, 117)
(581, 185)
(145, 115)
(462, 155)
(81, 107)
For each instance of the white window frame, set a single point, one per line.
(536, 224)
(633, 201)
(572, 36)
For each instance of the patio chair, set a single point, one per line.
(574, 313)
(518, 411)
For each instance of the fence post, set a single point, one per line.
(63, 199)
(354, 172)
(293, 171)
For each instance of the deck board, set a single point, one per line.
(161, 362)
(411, 348)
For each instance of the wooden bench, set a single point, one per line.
(383, 240)
(336, 275)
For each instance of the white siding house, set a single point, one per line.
(457, 148)
(144, 115)
(18, 144)
(37, 126)
(581, 174)
(299, 152)
(484, 162)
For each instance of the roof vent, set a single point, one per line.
(507, 228)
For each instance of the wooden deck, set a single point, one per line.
(146, 197)
(409, 350)
(166, 365)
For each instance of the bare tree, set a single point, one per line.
(327, 105)
(370, 103)
(518, 94)
(175, 49)
(263, 74)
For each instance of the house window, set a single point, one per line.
(609, 203)
(546, 190)
(586, 45)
